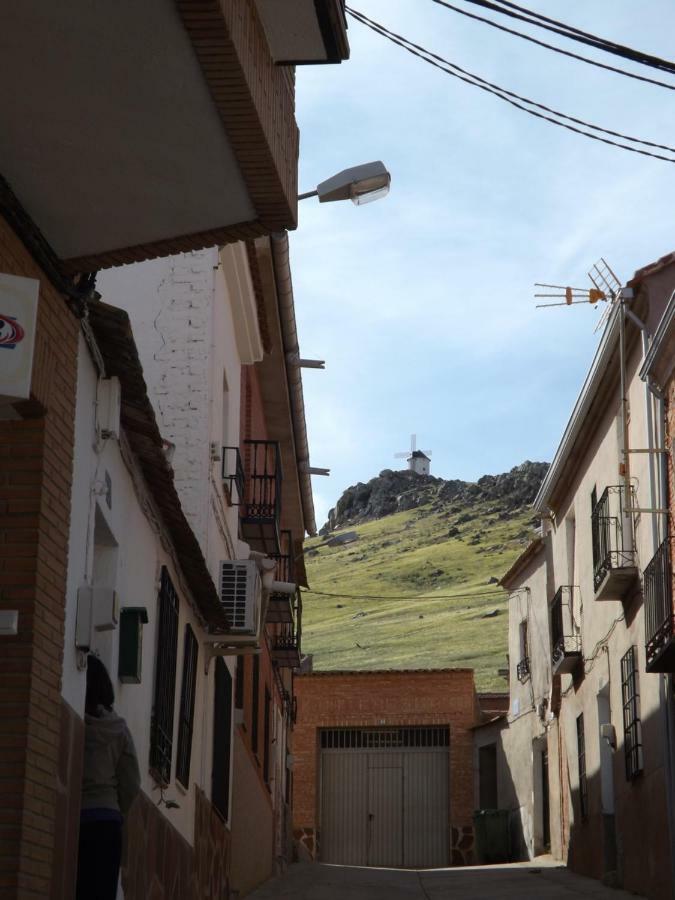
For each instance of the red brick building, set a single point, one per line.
(383, 767)
(213, 160)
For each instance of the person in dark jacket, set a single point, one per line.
(110, 782)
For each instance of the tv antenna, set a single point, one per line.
(606, 288)
(413, 449)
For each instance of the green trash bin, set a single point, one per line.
(492, 835)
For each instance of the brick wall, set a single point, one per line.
(329, 700)
(36, 457)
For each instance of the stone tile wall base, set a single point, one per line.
(159, 864)
(306, 844)
(462, 849)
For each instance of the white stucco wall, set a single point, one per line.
(142, 549)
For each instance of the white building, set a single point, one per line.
(216, 336)
(589, 738)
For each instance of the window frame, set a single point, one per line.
(632, 725)
(164, 694)
(187, 706)
(255, 705)
(581, 762)
(222, 739)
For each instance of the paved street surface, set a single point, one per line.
(543, 879)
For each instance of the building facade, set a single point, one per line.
(383, 767)
(212, 340)
(589, 708)
(213, 161)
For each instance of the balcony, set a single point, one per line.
(565, 633)
(280, 606)
(659, 612)
(523, 669)
(285, 644)
(305, 32)
(233, 475)
(614, 569)
(261, 510)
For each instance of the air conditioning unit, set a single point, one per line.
(241, 594)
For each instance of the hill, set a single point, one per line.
(435, 549)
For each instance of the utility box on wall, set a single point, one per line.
(18, 314)
(132, 620)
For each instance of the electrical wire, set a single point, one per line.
(533, 40)
(506, 8)
(440, 62)
(482, 595)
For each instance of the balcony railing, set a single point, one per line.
(614, 570)
(280, 606)
(565, 632)
(286, 642)
(233, 475)
(659, 612)
(523, 669)
(261, 509)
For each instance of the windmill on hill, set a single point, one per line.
(418, 460)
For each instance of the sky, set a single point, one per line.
(422, 304)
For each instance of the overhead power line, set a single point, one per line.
(506, 8)
(533, 40)
(477, 595)
(513, 99)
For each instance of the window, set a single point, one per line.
(255, 702)
(187, 707)
(239, 683)
(632, 729)
(581, 757)
(487, 777)
(266, 738)
(161, 726)
(523, 639)
(222, 733)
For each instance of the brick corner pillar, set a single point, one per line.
(36, 458)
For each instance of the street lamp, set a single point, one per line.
(360, 184)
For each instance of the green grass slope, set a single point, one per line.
(411, 555)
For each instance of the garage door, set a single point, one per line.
(385, 796)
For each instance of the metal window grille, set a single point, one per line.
(239, 683)
(266, 738)
(658, 592)
(222, 731)
(632, 728)
(233, 474)
(384, 738)
(187, 707)
(611, 546)
(581, 756)
(161, 726)
(255, 704)
(262, 489)
(565, 630)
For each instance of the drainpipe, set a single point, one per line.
(627, 514)
(664, 700)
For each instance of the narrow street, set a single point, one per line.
(541, 880)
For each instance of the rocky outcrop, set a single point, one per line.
(393, 492)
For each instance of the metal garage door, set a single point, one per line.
(385, 796)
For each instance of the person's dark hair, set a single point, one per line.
(99, 686)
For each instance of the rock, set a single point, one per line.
(337, 540)
(436, 573)
(404, 490)
(491, 615)
(492, 580)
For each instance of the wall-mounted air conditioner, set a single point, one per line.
(241, 595)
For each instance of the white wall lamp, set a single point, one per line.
(360, 184)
